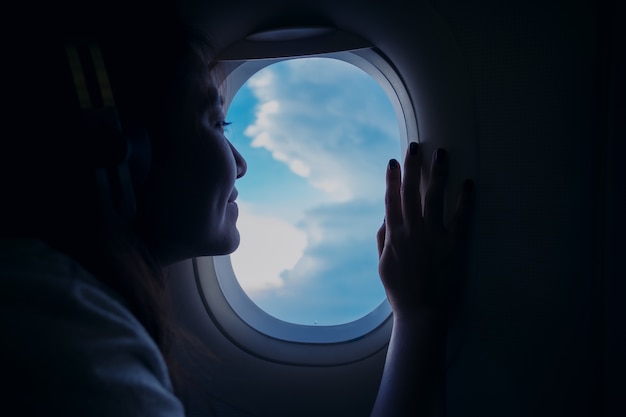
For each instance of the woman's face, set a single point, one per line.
(188, 206)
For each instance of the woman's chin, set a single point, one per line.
(225, 245)
(178, 248)
(231, 243)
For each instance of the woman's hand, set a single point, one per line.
(422, 262)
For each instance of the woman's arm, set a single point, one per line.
(421, 265)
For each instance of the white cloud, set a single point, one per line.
(268, 247)
(331, 128)
(335, 280)
(299, 168)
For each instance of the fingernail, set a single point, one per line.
(440, 156)
(393, 164)
(413, 148)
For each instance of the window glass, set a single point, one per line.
(317, 134)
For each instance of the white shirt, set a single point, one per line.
(69, 346)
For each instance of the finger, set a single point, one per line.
(380, 238)
(460, 227)
(433, 202)
(393, 204)
(410, 191)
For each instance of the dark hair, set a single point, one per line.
(49, 189)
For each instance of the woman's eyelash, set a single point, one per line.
(223, 124)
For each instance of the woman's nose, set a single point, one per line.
(242, 165)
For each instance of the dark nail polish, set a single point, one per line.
(413, 148)
(393, 164)
(440, 156)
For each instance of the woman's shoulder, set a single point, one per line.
(26, 261)
(34, 274)
(74, 345)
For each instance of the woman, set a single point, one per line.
(83, 312)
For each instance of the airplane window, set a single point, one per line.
(317, 133)
(317, 130)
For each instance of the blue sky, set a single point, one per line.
(317, 134)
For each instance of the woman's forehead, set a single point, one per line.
(210, 72)
(203, 79)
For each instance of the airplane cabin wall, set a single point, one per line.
(530, 339)
(614, 287)
(533, 342)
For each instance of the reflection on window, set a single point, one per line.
(317, 134)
